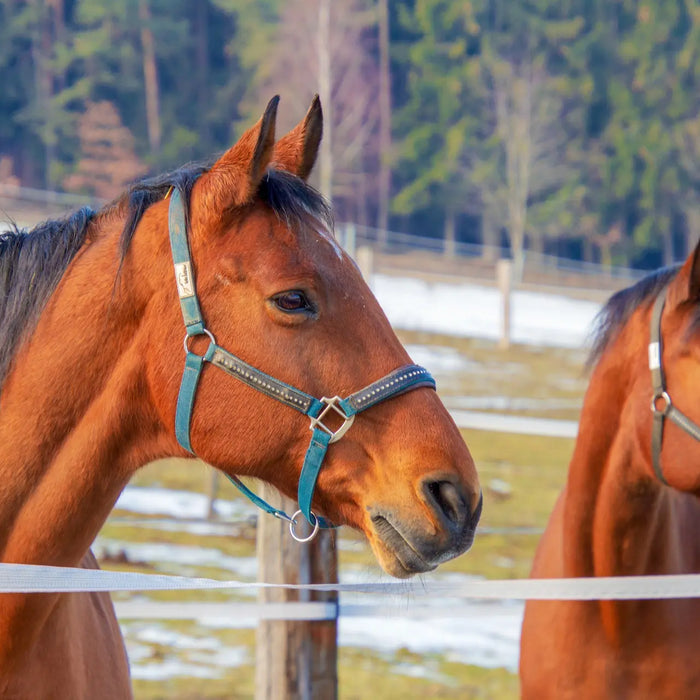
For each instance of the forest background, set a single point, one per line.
(570, 127)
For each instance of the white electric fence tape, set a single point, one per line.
(26, 578)
(235, 614)
(242, 614)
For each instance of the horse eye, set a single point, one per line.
(293, 302)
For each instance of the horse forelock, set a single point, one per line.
(620, 307)
(294, 201)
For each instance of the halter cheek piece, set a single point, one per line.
(661, 405)
(395, 383)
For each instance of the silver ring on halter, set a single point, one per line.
(659, 395)
(204, 332)
(293, 522)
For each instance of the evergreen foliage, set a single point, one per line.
(563, 126)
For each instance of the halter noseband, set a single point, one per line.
(395, 383)
(661, 404)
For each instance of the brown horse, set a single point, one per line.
(91, 360)
(630, 507)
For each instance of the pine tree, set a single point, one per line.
(440, 113)
(486, 128)
(107, 161)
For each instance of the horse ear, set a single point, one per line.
(234, 178)
(296, 152)
(694, 278)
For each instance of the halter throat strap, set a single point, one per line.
(661, 405)
(393, 384)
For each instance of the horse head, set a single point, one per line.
(281, 296)
(674, 370)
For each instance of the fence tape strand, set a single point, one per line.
(29, 578)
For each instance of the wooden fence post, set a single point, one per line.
(504, 274)
(350, 239)
(365, 261)
(295, 660)
(212, 491)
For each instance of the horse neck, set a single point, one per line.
(72, 425)
(618, 519)
(611, 499)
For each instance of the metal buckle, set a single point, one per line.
(281, 515)
(332, 404)
(293, 522)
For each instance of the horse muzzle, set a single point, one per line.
(405, 546)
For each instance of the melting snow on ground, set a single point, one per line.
(469, 310)
(181, 504)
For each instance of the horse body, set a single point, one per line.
(616, 518)
(613, 649)
(73, 427)
(89, 395)
(77, 652)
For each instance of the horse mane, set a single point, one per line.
(31, 266)
(32, 263)
(618, 309)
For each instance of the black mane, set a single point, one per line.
(31, 266)
(617, 311)
(32, 263)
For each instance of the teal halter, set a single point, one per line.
(395, 383)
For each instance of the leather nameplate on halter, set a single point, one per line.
(184, 275)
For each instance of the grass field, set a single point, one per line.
(533, 468)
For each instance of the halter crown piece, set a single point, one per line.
(395, 383)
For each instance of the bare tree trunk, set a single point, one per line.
(692, 229)
(324, 88)
(668, 257)
(345, 72)
(202, 39)
(150, 77)
(490, 240)
(59, 36)
(384, 123)
(514, 115)
(450, 234)
(41, 50)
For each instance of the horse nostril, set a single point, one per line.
(448, 500)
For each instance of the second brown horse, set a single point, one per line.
(621, 515)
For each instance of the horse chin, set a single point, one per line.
(394, 554)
